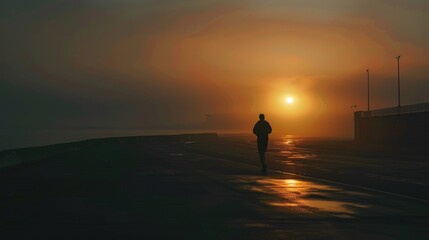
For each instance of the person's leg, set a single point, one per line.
(264, 165)
(262, 147)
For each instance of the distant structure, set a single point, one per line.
(401, 125)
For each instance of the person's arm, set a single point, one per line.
(255, 129)
(269, 128)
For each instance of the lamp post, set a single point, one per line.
(367, 73)
(399, 85)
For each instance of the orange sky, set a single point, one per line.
(210, 64)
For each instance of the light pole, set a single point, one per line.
(399, 85)
(367, 72)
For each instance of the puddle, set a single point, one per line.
(176, 154)
(327, 206)
(288, 162)
(292, 154)
(282, 204)
(286, 147)
(294, 193)
(289, 140)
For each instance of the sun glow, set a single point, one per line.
(293, 103)
(289, 100)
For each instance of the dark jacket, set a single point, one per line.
(261, 129)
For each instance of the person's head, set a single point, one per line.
(261, 116)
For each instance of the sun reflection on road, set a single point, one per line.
(288, 140)
(290, 182)
(306, 195)
(287, 147)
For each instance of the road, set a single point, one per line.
(191, 188)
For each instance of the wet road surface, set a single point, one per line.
(212, 189)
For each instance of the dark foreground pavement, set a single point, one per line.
(192, 187)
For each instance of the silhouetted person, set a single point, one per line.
(261, 129)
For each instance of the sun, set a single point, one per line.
(289, 100)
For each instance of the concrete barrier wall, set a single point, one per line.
(402, 129)
(13, 157)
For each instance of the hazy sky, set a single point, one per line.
(174, 64)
